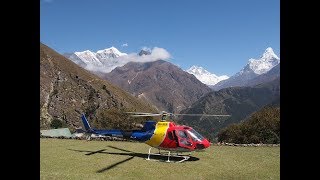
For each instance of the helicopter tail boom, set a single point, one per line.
(85, 122)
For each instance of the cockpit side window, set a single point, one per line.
(184, 139)
(182, 134)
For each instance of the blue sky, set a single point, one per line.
(219, 35)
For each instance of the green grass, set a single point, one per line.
(67, 159)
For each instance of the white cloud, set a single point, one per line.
(124, 45)
(160, 53)
(156, 54)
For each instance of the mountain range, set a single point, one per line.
(254, 68)
(158, 82)
(104, 61)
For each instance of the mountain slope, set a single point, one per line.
(161, 83)
(66, 90)
(254, 68)
(271, 75)
(239, 102)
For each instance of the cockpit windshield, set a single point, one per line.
(195, 135)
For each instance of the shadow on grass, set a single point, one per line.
(132, 154)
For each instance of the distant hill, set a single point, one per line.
(66, 90)
(161, 83)
(262, 126)
(239, 102)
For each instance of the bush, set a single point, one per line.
(261, 127)
(56, 123)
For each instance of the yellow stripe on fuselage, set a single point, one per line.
(159, 134)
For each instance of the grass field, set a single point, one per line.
(80, 159)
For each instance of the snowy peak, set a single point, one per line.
(198, 70)
(205, 76)
(109, 53)
(102, 60)
(85, 53)
(269, 54)
(88, 57)
(260, 66)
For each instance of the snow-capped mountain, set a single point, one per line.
(88, 57)
(103, 60)
(260, 66)
(205, 76)
(109, 53)
(254, 68)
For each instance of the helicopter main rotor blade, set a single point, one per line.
(143, 115)
(201, 115)
(163, 113)
(139, 113)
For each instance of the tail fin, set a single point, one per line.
(85, 122)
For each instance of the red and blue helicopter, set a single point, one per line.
(163, 135)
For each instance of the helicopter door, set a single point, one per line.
(173, 139)
(183, 139)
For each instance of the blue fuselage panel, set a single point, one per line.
(134, 134)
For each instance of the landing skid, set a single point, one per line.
(169, 154)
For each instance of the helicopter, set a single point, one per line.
(162, 135)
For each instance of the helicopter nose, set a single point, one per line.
(204, 144)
